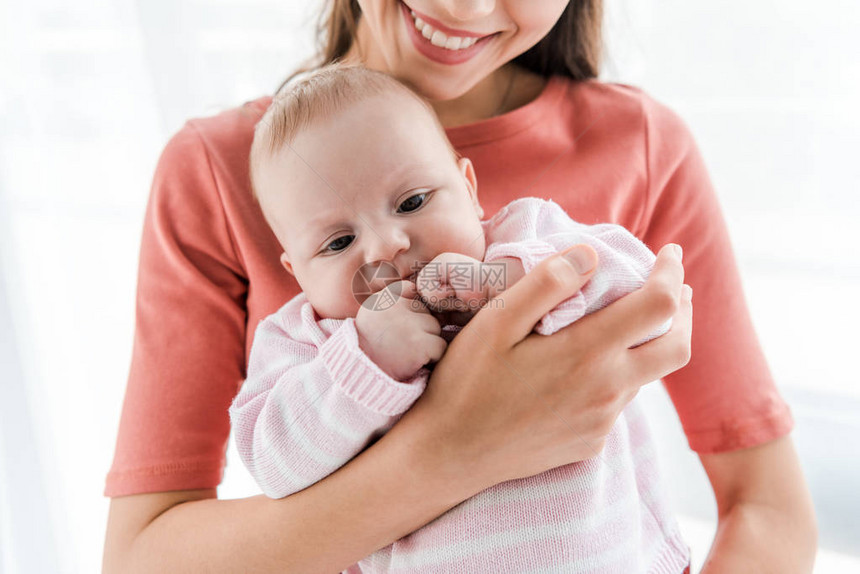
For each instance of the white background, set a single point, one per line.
(90, 91)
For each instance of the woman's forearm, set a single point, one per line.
(391, 489)
(478, 422)
(757, 538)
(767, 519)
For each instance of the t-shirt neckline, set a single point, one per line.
(512, 122)
(496, 127)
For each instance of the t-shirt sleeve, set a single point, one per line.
(725, 396)
(188, 356)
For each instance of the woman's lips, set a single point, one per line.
(436, 25)
(436, 53)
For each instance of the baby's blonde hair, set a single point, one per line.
(321, 94)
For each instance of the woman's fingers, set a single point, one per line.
(636, 315)
(509, 317)
(668, 353)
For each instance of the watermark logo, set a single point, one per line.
(369, 284)
(376, 286)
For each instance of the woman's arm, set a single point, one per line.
(391, 489)
(766, 519)
(726, 397)
(481, 421)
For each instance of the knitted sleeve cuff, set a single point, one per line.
(530, 252)
(359, 378)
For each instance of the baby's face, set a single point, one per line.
(374, 185)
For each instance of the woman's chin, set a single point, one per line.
(437, 90)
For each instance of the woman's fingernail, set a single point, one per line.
(678, 251)
(583, 260)
(686, 292)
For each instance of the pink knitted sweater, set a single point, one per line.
(313, 400)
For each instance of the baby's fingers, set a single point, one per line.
(404, 288)
(389, 295)
(432, 289)
(427, 322)
(434, 347)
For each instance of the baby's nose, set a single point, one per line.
(388, 244)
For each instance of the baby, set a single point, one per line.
(381, 226)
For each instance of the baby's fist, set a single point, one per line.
(452, 282)
(398, 333)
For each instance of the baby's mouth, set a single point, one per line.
(415, 269)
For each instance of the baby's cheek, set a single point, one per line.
(334, 301)
(478, 248)
(474, 242)
(349, 303)
(466, 240)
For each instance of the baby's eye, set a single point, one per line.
(413, 203)
(340, 243)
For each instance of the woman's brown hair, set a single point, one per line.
(572, 48)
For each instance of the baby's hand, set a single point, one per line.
(456, 282)
(452, 282)
(400, 337)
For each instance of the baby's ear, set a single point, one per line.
(468, 173)
(286, 263)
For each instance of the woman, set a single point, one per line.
(520, 104)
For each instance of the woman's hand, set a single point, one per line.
(504, 404)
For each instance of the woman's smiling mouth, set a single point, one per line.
(440, 43)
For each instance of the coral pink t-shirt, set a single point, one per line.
(209, 269)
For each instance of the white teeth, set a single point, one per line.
(438, 38)
(453, 43)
